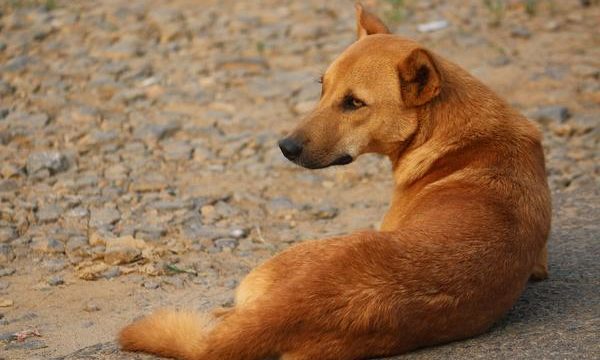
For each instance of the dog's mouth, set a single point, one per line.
(342, 160)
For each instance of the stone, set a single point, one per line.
(171, 205)
(249, 65)
(48, 245)
(123, 250)
(6, 253)
(6, 88)
(91, 307)
(27, 120)
(17, 64)
(77, 212)
(102, 217)
(49, 213)
(177, 150)
(6, 302)
(520, 32)
(55, 280)
(29, 344)
(551, 113)
(53, 161)
(152, 285)
(224, 243)
(91, 271)
(150, 231)
(54, 264)
(111, 272)
(4, 271)
(76, 248)
(280, 204)
(7, 234)
(149, 183)
(116, 172)
(238, 233)
(8, 185)
(155, 132)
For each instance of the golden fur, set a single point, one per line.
(467, 225)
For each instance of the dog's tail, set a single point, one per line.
(191, 336)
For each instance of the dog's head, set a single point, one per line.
(369, 99)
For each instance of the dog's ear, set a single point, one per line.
(367, 23)
(420, 80)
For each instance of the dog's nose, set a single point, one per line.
(290, 148)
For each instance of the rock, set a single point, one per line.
(226, 243)
(6, 88)
(248, 65)
(520, 32)
(53, 161)
(8, 185)
(170, 23)
(49, 213)
(29, 344)
(7, 234)
(55, 280)
(4, 271)
(6, 253)
(6, 302)
(279, 205)
(225, 210)
(28, 121)
(116, 172)
(103, 217)
(91, 307)
(302, 31)
(90, 271)
(171, 205)
(54, 265)
(152, 285)
(177, 150)
(150, 231)
(48, 245)
(87, 324)
(123, 250)
(149, 183)
(238, 233)
(16, 64)
(111, 272)
(76, 248)
(155, 132)
(432, 26)
(499, 61)
(77, 212)
(551, 113)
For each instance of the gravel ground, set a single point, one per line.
(139, 166)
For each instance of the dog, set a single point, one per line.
(466, 229)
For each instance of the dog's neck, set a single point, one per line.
(464, 114)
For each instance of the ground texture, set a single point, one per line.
(139, 166)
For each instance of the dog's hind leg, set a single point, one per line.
(540, 269)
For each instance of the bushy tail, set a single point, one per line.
(191, 336)
(174, 334)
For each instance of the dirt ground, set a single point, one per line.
(139, 167)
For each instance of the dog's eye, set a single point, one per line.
(351, 103)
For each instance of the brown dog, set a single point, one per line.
(467, 226)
